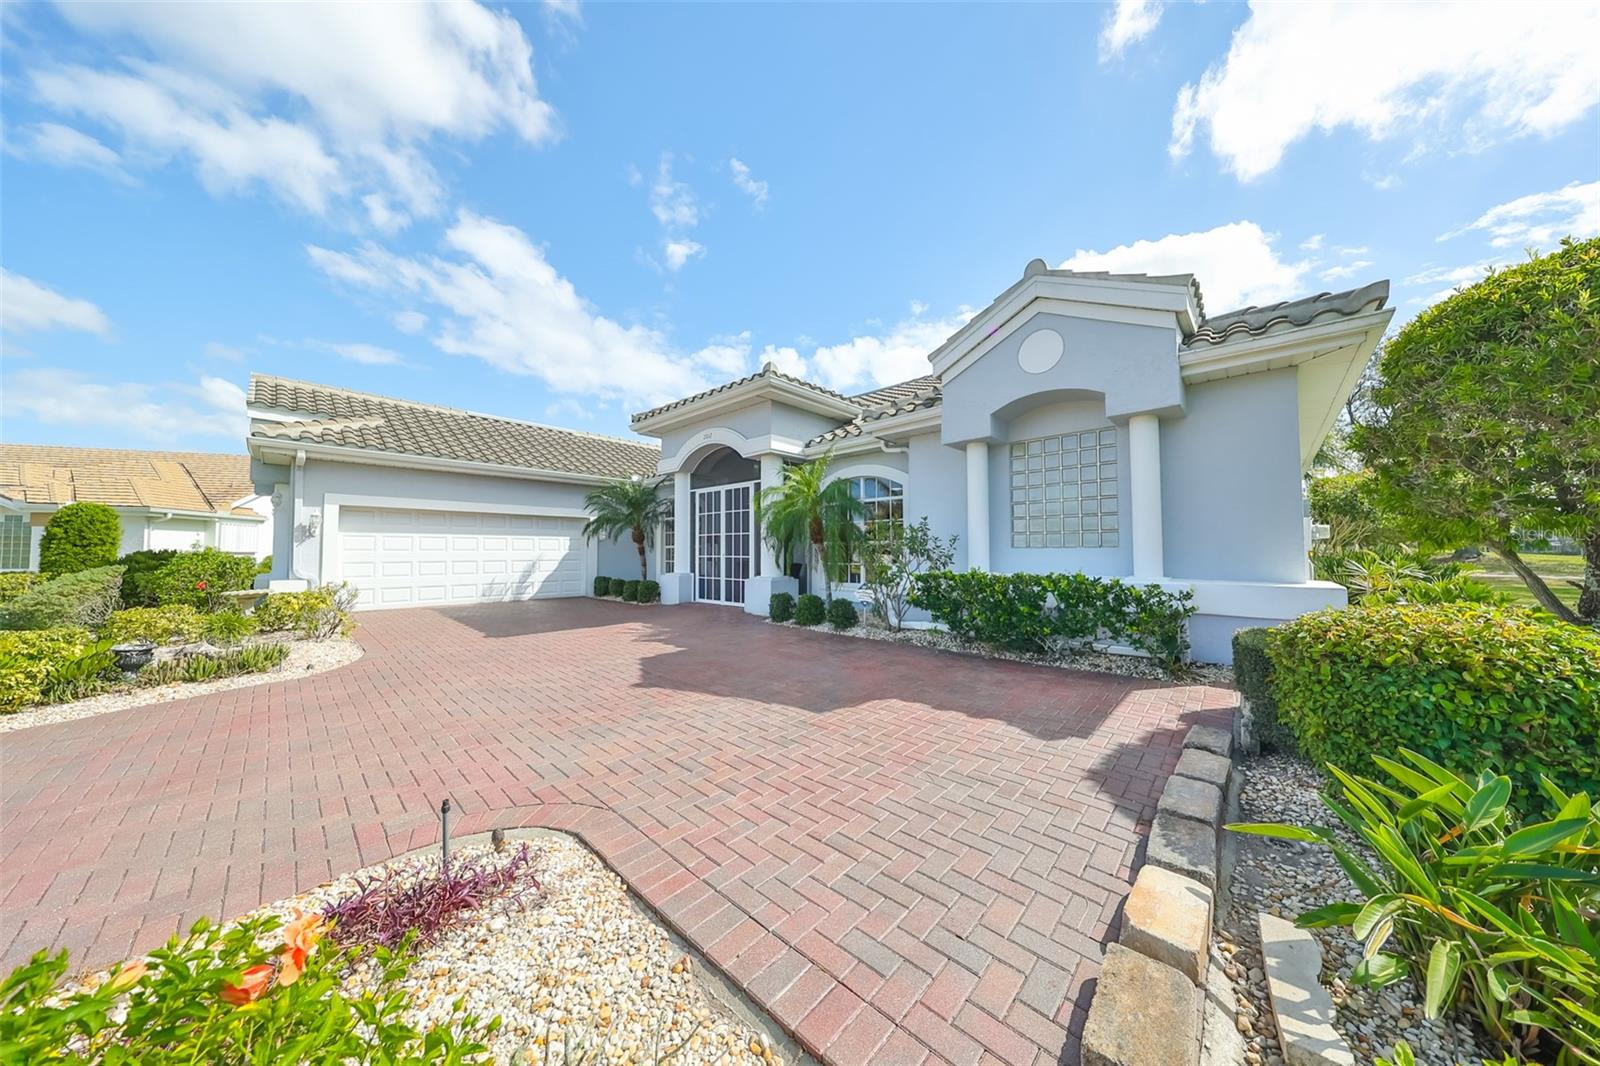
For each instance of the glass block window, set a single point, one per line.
(669, 541)
(15, 539)
(1064, 491)
(885, 501)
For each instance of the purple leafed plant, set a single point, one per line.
(384, 909)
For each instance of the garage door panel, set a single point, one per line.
(403, 557)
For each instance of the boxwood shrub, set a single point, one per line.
(781, 607)
(842, 613)
(630, 591)
(602, 586)
(649, 592)
(809, 611)
(617, 584)
(80, 536)
(85, 598)
(138, 568)
(1252, 673)
(1470, 686)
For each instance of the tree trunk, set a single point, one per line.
(1535, 583)
(638, 542)
(1589, 597)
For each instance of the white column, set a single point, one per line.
(1144, 472)
(771, 475)
(977, 505)
(682, 534)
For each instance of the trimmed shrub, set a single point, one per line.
(80, 536)
(809, 611)
(602, 586)
(318, 612)
(649, 592)
(617, 584)
(85, 598)
(1471, 687)
(842, 613)
(1252, 673)
(14, 584)
(27, 658)
(199, 578)
(630, 591)
(781, 607)
(137, 570)
(159, 625)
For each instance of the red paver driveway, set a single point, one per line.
(905, 855)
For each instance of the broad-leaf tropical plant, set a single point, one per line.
(629, 507)
(806, 510)
(1470, 900)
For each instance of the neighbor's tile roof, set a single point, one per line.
(1254, 321)
(380, 423)
(886, 402)
(181, 481)
(768, 370)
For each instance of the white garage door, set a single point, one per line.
(415, 558)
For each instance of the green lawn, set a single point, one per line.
(1523, 598)
(1553, 568)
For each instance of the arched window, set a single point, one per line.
(885, 501)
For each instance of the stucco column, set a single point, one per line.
(1144, 475)
(771, 476)
(682, 534)
(759, 590)
(977, 505)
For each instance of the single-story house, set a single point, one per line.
(1083, 421)
(179, 500)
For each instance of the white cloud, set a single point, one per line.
(747, 184)
(1346, 270)
(568, 409)
(1313, 242)
(1236, 264)
(727, 357)
(26, 305)
(367, 354)
(226, 352)
(410, 321)
(63, 146)
(672, 201)
(870, 360)
(212, 407)
(500, 299)
(1129, 21)
(1540, 219)
(1459, 75)
(1452, 278)
(568, 13)
(679, 252)
(788, 360)
(336, 102)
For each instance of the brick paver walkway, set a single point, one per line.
(905, 855)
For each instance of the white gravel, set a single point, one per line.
(575, 964)
(306, 657)
(1093, 661)
(1287, 878)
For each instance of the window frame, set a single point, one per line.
(1052, 499)
(894, 502)
(16, 535)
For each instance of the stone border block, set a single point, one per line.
(1210, 738)
(1301, 1006)
(1204, 766)
(1143, 1013)
(1188, 798)
(1168, 918)
(1184, 846)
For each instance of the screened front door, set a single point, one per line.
(724, 543)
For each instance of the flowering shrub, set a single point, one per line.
(244, 995)
(199, 578)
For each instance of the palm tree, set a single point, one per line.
(627, 505)
(806, 508)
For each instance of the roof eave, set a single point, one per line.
(279, 450)
(754, 391)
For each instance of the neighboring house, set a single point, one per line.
(177, 500)
(1081, 422)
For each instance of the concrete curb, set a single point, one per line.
(1301, 1006)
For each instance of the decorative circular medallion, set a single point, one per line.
(1040, 351)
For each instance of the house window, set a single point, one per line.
(669, 541)
(15, 542)
(885, 501)
(1064, 491)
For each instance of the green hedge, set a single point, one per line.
(809, 611)
(649, 592)
(27, 659)
(617, 585)
(842, 614)
(199, 578)
(602, 586)
(630, 592)
(85, 598)
(1470, 686)
(138, 568)
(80, 536)
(781, 607)
(1039, 613)
(1252, 673)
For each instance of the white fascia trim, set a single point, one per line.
(910, 424)
(887, 473)
(1132, 316)
(747, 447)
(282, 453)
(412, 503)
(1088, 298)
(742, 395)
(282, 414)
(1285, 348)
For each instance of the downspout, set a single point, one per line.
(296, 490)
(894, 449)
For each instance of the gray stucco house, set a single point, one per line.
(1087, 422)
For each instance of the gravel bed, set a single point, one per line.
(1286, 878)
(305, 657)
(1093, 661)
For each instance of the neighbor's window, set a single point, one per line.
(15, 538)
(669, 541)
(1064, 491)
(885, 501)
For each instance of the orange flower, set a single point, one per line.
(251, 987)
(299, 939)
(128, 976)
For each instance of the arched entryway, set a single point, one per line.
(724, 543)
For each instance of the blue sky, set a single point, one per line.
(564, 213)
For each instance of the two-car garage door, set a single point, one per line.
(400, 558)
